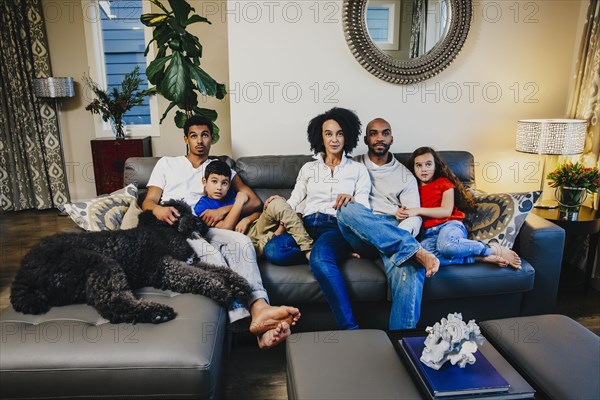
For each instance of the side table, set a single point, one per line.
(109, 155)
(587, 223)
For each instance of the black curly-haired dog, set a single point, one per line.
(102, 268)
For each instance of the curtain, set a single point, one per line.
(417, 31)
(32, 171)
(585, 100)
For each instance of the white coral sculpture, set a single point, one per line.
(451, 339)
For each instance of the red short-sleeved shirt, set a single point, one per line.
(431, 196)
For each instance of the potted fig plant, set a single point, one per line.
(112, 105)
(573, 182)
(176, 71)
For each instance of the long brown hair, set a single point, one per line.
(463, 200)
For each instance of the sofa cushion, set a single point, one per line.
(103, 212)
(478, 279)
(73, 352)
(500, 216)
(296, 284)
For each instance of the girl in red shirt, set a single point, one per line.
(442, 198)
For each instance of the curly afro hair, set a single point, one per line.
(348, 121)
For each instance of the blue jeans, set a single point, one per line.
(450, 245)
(328, 252)
(366, 232)
(283, 250)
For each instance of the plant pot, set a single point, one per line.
(569, 200)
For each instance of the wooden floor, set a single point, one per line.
(251, 373)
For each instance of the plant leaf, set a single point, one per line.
(159, 5)
(152, 19)
(203, 80)
(195, 18)
(176, 80)
(171, 105)
(221, 91)
(155, 67)
(180, 119)
(207, 112)
(181, 9)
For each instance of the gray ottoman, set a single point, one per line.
(72, 352)
(555, 354)
(361, 364)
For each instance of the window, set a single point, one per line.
(115, 40)
(383, 23)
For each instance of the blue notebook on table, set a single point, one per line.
(451, 380)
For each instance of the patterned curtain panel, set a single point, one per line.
(31, 163)
(585, 101)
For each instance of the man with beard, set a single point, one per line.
(382, 231)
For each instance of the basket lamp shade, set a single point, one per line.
(550, 137)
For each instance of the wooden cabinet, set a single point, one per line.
(109, 157)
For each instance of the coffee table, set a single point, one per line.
(362, 364)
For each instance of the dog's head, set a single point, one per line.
(187, 224)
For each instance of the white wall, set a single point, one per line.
(517, 63)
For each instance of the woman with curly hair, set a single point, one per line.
(329, 182)
(443, 203)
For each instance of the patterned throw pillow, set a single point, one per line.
(104, 212)
(500, 216)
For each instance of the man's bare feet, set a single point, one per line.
(266, 317)
(513, 258)
(494, 259)
(307, 255)
(429, 261)
(274, 336)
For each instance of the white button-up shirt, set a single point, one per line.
(320, 188)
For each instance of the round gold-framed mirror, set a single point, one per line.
(406, 41)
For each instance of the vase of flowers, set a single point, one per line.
(573, 182)
(112, 105)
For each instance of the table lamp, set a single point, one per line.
(550, 137)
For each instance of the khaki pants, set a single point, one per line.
(278, 210)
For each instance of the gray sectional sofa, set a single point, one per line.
(184, 357)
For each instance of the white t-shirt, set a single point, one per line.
(179, 180)
(316, 184)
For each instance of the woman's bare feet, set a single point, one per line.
(266, 317)
(494, 259)
(429, 261)
(274, 336)
(513, 258)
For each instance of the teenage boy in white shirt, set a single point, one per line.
(181, 178)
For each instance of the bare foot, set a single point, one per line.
(354, 255)
(307, 255)
(494, 259)
(513, 258)
(274, 336)
(429, 261)
(266, 317)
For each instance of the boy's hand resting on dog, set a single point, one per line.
(166, 214)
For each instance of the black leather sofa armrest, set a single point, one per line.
(541, 243)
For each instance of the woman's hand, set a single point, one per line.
(242, 226)
(270, 199)
(404, 213)
(342, 200)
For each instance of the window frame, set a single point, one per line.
(97, 71)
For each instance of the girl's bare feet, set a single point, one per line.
(274, 336)
(513, 258)
(494, 259)
(429, 261)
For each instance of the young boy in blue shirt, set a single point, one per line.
(276, 219)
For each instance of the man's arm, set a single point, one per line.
(151, 203)
(253, 204)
